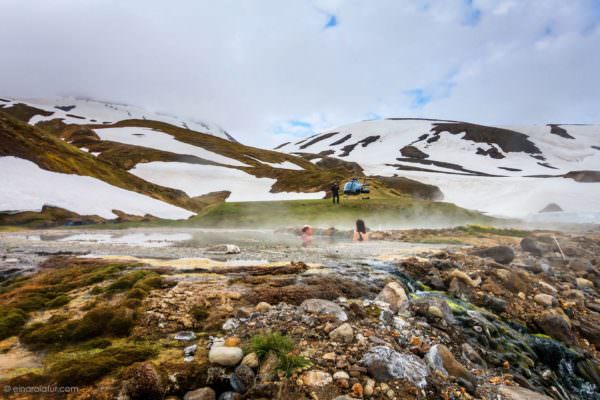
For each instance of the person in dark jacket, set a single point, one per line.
(335, 193)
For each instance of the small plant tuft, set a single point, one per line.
(264, 343)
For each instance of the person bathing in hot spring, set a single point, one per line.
(360, 232)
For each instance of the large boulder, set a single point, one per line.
(500, 254)
(324, 307)
(384, 363)
(394, 294)
(413, 152)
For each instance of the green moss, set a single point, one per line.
(263, 344)
(58, 301)
(199, 313)
(85, 367)
(11, 321)
(60, 331)
(455, 307)
(143, 280)
(136, 293)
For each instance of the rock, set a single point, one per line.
(466, 279)
(344, 397)
(519, 393)
(472, 355)
(204, 393)
(188, 353)
(343, 333)
(551, 207)
(440, 359)
(580, 265)
(413, 152)
(500, 254)
(547, 287)
(224, 249)
(340, 375)
(232, 341)
(230, 396)
(383, 363)
(316, 378)
(323, 307)
(225, 356)
(393, 294)
(242, 378)
(544, 299)
(369, 388)
(262, 307)
(185, 335)
(251, 360)
(531, 246)
(357, 390)
(583, 283)
(231, 324)
(435, 311)
(495, 303)
(556, 324)
(142, 381)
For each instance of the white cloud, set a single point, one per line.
(254, 66)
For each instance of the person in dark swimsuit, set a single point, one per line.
(360, 232)
(335, 193)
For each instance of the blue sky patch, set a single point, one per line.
(332, 22)
(473, 14)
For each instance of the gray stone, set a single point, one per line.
(323, 307)
(393, 294)
(242, 378)
(343, 333)
(384, 364)
(500, 254)
(185, 335)
(544, 299)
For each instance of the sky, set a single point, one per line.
(270, 71)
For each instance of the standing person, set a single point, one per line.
(360, 232)
(335, 193)
(307, 235)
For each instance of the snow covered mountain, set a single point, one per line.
(76, 110)
(509, 171)
(114, 161)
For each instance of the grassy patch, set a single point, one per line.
(50, 289)
(199, 313)
(492, 230)
(376, 212)
(265, 343)
(87, 366)
(290, 363)
(60, 331)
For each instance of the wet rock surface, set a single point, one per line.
(510, 319)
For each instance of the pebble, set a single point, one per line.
(185, 335)
(544, 299)
(204, 393)
(316, 378)
(583, 283)
(242, 378)
(340, 375)
(262, 307)
(251, 360)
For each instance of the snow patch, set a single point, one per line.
(197, 180)
(152, 139)
(27, 187)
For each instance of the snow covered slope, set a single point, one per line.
(74, 110)
(509, 171)
(30, 188)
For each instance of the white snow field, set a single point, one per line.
(99, 112)
(152, 139)
(508, 193)
(196, 180)
(27, 187)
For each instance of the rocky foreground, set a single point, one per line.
(501, 314)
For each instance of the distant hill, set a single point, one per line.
(510, 170)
